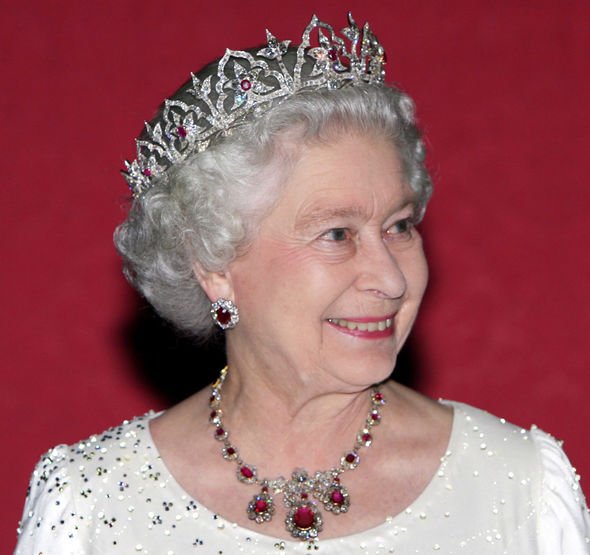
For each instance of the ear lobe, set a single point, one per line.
(217, 285)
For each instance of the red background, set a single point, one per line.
(502, 90)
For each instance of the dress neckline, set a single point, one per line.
(414, 507)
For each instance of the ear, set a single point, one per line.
(217, 285)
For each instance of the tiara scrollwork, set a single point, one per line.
(250, 82)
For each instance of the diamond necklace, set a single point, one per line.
(303, 492)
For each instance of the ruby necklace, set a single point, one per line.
(303, 492)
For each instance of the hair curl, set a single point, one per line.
(212, 203)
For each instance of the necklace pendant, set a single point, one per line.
(304, 521)
(336, 499)
(261, 507)
(301, 493)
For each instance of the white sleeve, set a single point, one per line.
(564, 521)
(51, 524)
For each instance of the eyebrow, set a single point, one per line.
(320, 216)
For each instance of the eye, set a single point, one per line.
(337, 234)
(401, 230)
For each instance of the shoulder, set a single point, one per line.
(534, 448)
(94, 456)
(64, 485)
(564, 520)
(492, 434)
(514, 454)
(528, 477)
(488, 454)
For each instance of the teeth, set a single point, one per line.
(364, 326)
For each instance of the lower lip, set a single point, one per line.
(364, 334)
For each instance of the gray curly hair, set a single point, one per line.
(212, 203)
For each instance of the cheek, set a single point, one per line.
(304, 282)
(416, 272)
(285, 275)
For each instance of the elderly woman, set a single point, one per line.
(276, 196)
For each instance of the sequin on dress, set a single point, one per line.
(499, 490)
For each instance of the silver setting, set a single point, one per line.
(242, 466)
(229, 452)
(374, 418)
(350, 460)
(336, 499)
(246, 83)
(215, 416)
(304, 533)
(261, 508)
(228, 308)
(220, 433)
(299, 487)
(377, 398)
(365, 437)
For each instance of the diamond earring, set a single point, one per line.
(225, 314)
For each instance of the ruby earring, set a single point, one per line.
(225, 314)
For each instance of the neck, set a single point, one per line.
(277, 426)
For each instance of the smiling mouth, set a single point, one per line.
(372, 326)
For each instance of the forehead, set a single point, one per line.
(346, 177)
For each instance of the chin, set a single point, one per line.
(366, 370)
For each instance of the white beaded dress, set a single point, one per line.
(499, 490)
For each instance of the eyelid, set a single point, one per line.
(398, 219)
(346, 230)
(404, 213)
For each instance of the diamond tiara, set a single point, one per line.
(244, 83)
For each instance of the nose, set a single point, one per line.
(379, 271)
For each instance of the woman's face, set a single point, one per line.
(331, 285)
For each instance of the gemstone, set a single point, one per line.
(147, 172)
(332, 54)
(304, 495)
(213, 414)
(367, 438)
(181, 132)
(223, 316)
(245, 84)
(350, 458)
(375, 416)
(337, 497)
(219, 432)
(378, 397)
(304, 517)
(260, 505)
(246, 472)
(230, 451)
